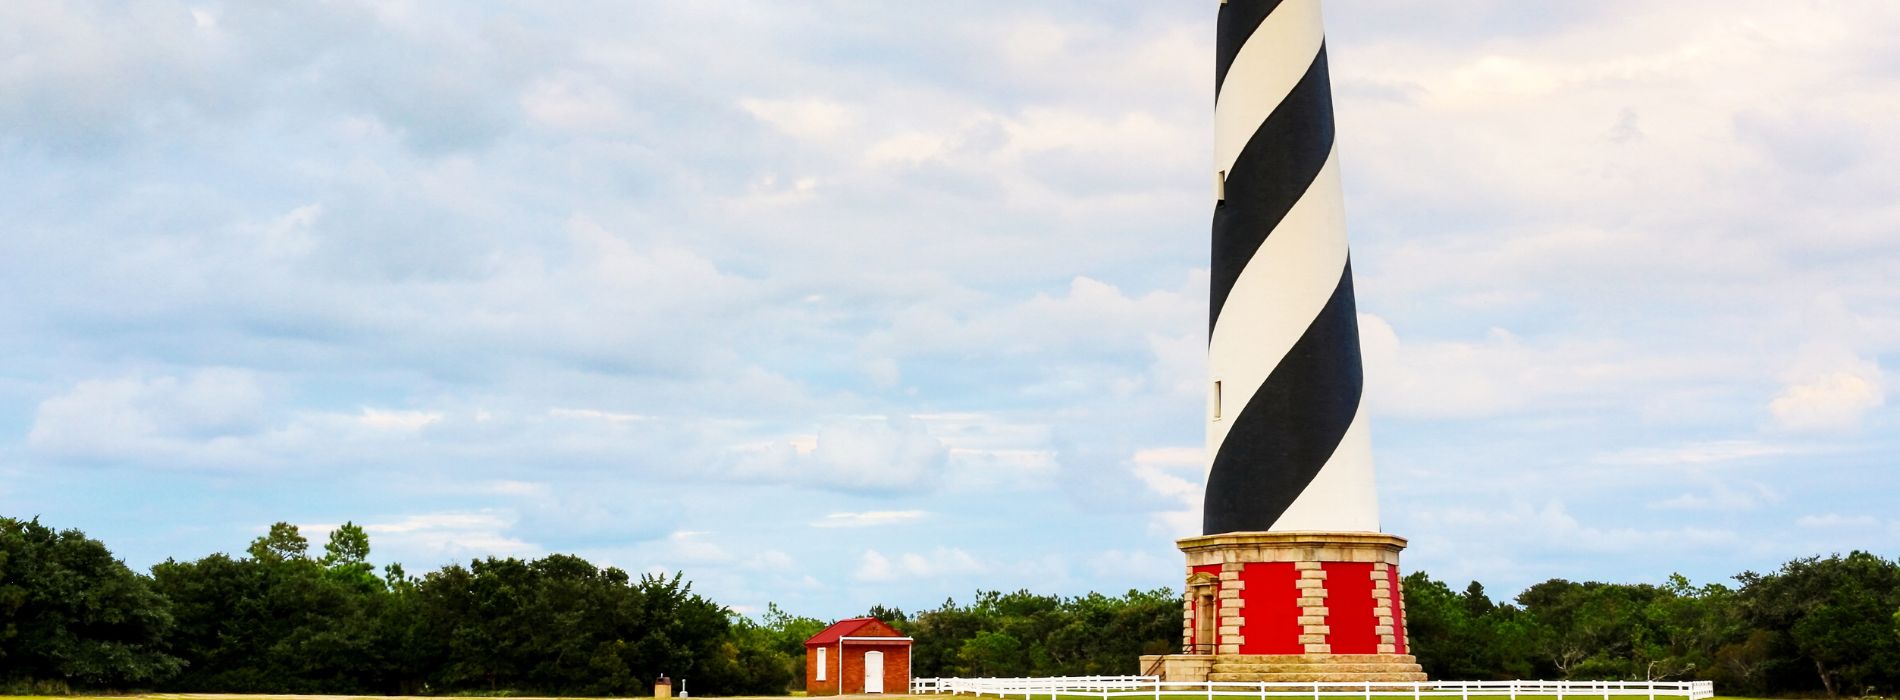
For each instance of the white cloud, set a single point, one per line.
(1116, 564)
(806, 118)
(1175, 475)
(552, 270)
(592, 414)
(402, 421)
(1553, 528)
(1837, 520)
(874, 567)
(201, 417)
(432, 539)
(573, 101)
(1829, 396)
(870, 518)
(1722, 497)
(689, 546)
(874, 453)
(1701, 453)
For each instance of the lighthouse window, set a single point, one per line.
(1216, 400)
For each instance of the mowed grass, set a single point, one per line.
(1376, 695)
(1062, 696)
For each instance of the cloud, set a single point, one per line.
(1837, 520)
(202, 417)
(1174, 474)
(870, 518)
(806, 118)
(874, 567)
(1554, 526)
(1125, 565)
(598, 277)
(425, 539)
(1700, 453)
(875, 453)
(1828, 394)
(1723, 497)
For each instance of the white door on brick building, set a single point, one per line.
(874, 672)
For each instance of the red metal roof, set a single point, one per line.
(854, 627)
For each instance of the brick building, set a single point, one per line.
(864, 653)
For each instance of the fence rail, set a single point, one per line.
(1111, 687)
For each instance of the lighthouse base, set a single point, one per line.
(1292, 606)
(1299, 668)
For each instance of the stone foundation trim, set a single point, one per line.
(1298, 547)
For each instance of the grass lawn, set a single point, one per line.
(1376, 695)
(1065, 696)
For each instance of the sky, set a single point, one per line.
(834, 304)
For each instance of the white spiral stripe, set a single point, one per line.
(1343, 496)
(1267, 67)
(1278, 294)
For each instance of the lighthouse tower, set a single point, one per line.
(1291, 578)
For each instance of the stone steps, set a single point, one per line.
(1391, 677)
(1317, 658)
(1318, 668)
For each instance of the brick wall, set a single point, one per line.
(896, 669)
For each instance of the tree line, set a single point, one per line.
(283, 619)
(1817, 625)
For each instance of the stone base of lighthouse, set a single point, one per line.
(1291, 606)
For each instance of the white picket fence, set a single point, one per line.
(1109, 687)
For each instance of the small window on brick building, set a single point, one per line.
(821, 663)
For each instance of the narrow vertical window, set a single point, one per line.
(1220, 186)
(1216, 399)
(821, 664)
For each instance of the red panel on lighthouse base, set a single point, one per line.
(1272, 608)
(1398, 611)
(1351, 614)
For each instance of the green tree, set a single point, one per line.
(279, 621)
(787, 634)
(1022, 633)
(73, 615)
(346, 557)
(282, 543)
(1830, 616)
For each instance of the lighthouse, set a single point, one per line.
(1291, 578)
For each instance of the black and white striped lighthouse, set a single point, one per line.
(1291, 579)
(1287, 441)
